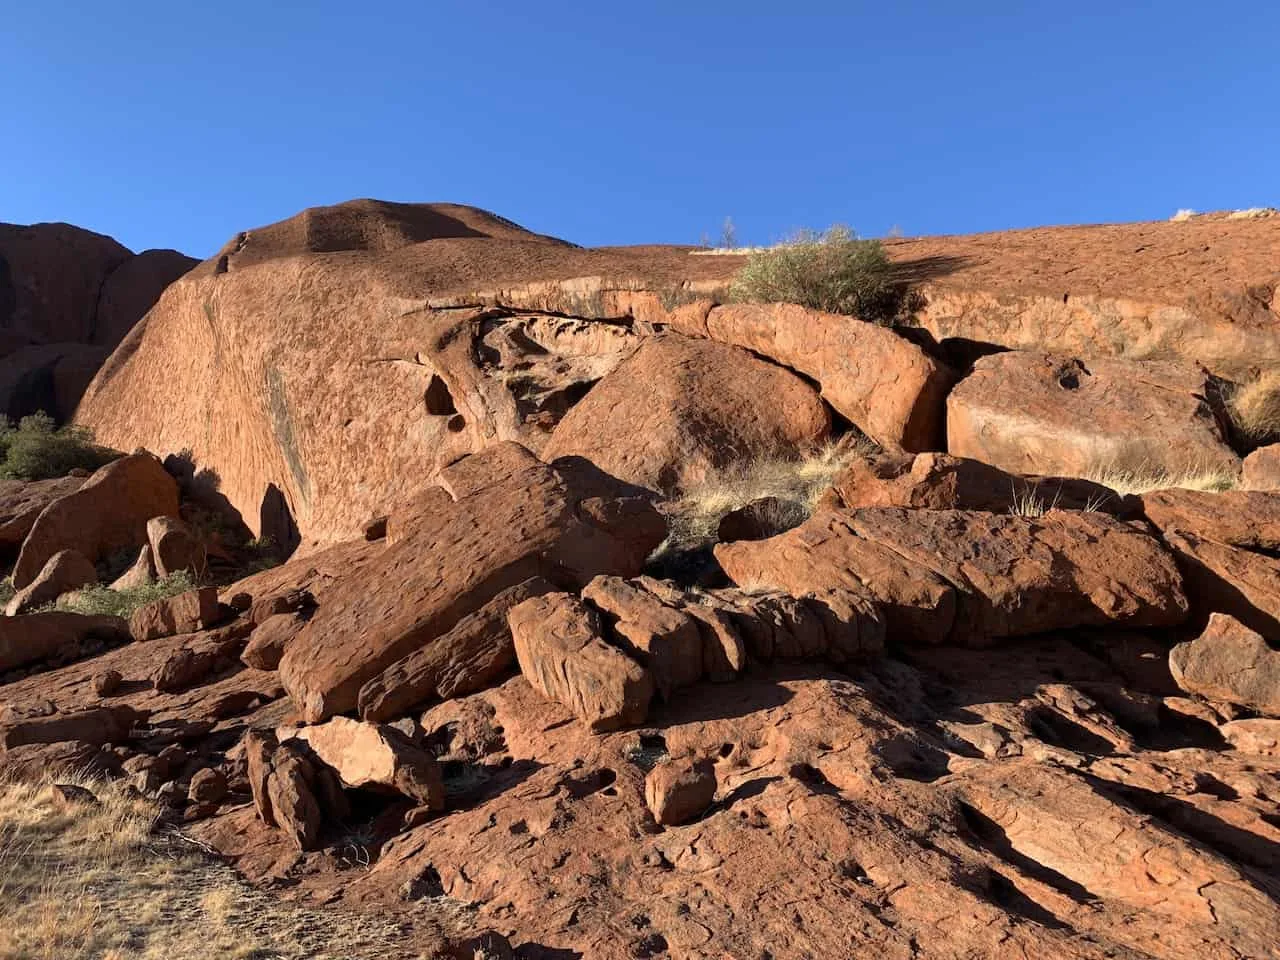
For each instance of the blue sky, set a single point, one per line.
(178, 124)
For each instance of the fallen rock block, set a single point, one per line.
(1224, 579)
(1229, 662)
(968, 577)
(939, 481)
(187, 612)
(563, 655)
(680, 791)
(662, 638)
(174, 548)
(1261, 469)
(141, 573)
(464, 660)
(1238, 518)
(1259, 736)
(886, 386)
(35, 637)
(564, 522)
(66, 570)
(373, 755)
(270, 639)
(95, 726)
(679, 409)
(109, 512)
(290, 793)
(107, 682)
(21, 501)
(1034, 413)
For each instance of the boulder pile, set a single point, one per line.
(985, 664)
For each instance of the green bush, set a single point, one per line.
(835, 272)
(98, 600)
(37, 449)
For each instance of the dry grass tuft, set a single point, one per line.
(1183, 215)
(1255, 407)
(1253, 213)
(1125, 482)
(99, 881)
(798, 484)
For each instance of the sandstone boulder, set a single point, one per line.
(372, 755)
(939, 481)
(1259, 736)
(34, 637)
(1262, 469)
(886, 386)
(680, 409)
(968, 577)
(564, 657)
(679, 791)
(1225, 579)
(270, 639)
(566, 523)
(1229, 662)
(66, 570)
(1237, 518)
(175, 547)
(95, 725)
(185, 613)
(140, 573)
(22, 501)
(1033, 413)
(662, 638)
(466, 658)
(108, 513)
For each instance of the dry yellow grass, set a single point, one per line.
(96, 881)
(799, 483)
(1125, 482)
(1255, 406)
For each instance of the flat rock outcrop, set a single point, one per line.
(1036, 413)
(969, 577)
(566, 523)
(1225, 579)
(1229, 662)
(35, 637)
(108, 513)
(1238, 518)
(679, 409)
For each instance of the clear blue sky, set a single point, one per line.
(177, 124)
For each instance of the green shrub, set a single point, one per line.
(835, 272)
(37, 449)
(103, 601)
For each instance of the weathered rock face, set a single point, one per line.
(317, 366)
(132, 289)
(34, 637)
(968, 577)
(565, 523)
(371, 755)
(1229, 662)
(1201, 290)
(66, 570)
(22, 501)
(95, 725)
(938, 481)
(563, 655)
(887, 387)
(1262, 469)
(1035, 413)
(108, 513)
(67, 296)
(679, 409)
